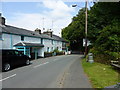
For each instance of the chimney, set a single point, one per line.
(2, 20)
(49, 33)
(38, 31)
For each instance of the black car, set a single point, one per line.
(12, 58)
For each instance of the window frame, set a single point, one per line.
(52, 42)
(41, 40)
(1, 37)
(22, 38)
(48, 49)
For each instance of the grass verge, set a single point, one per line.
(100, 75)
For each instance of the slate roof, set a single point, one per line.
(29, 44)
(25, 32)
(58, 38)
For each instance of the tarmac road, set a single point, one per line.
(43, 73)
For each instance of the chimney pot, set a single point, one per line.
(38, 30)
(49, 33)
(2, 20)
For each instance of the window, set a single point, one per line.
(0, 36)
(52, 49)
(47, 49)
(22, 38)
(17, 53)
(52, 42)
(41, 40)
(10, 53)
(64, 44)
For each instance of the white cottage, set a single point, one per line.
(31, 43)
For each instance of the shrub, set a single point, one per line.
(104, 56)
(48, 54)
(58, 52)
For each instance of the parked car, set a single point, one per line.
(12, 58)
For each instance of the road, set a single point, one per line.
(42, 73)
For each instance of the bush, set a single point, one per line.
(104, 57)
(54, 53)
(48, 54)
(58, 52)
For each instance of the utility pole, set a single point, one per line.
(86, 4)
(86, 28)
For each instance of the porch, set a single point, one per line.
(33, 50)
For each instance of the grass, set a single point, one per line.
(100, 75)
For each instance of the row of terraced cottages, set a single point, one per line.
(29, 42)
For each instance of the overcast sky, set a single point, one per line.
(50, 14)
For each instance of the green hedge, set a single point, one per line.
(60, 53)
(54, 53)
(104, 56)
(48, 54)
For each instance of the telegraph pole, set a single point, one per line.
(86, 28)
(86, 4)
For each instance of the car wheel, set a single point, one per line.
(7, 67)
(27, 62)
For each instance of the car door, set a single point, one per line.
(11, 57)
(5, 57)
(19, 57)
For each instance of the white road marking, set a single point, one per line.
(8, 77)
(40, 65)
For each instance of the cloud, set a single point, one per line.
(57, 5)
(57, 0)
(56, 14)
(27, 21)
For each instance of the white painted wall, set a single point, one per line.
(0, 44)
(6, 43)
(48, 43)
(41, 52)
(15, 39)
(32, 39)
(58, 44)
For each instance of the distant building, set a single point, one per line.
(88, 43)
(31, 43)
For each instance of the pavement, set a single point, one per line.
(75, 77)
(54, 72)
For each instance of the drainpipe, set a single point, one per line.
(35, 53)
(24, 50)
(29, 53)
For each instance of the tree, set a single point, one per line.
(103, 28)
(74, 33)
(101, 15)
